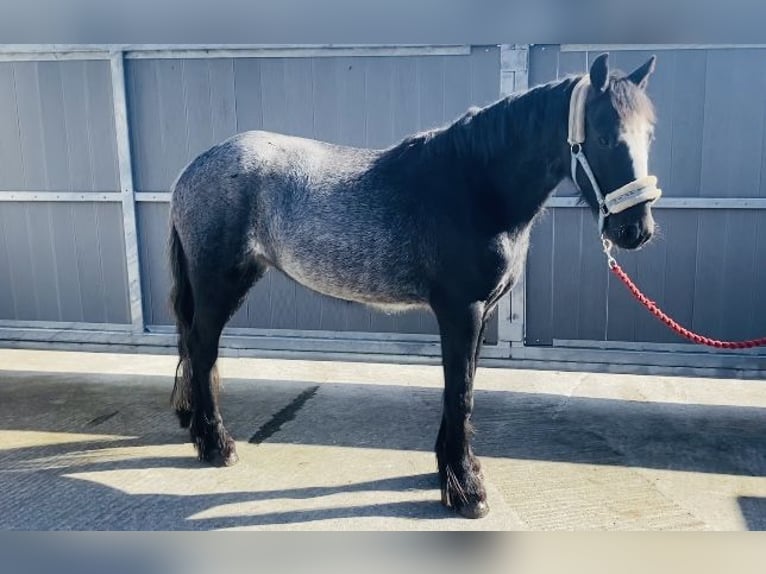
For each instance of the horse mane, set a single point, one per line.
(481, 131)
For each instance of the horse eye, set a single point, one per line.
(603, 141)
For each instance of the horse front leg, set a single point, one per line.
(459, 470)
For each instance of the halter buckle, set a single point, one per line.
(576, 148)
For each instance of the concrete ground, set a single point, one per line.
(87, 441)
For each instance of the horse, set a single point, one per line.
(439, 221)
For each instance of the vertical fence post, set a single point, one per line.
(514, 76)
(129, 228)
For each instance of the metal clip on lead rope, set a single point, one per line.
(610, 260)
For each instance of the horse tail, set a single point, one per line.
(182, 302)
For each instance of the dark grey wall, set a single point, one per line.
(707, 267)
(179, 108)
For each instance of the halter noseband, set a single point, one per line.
(630, 194)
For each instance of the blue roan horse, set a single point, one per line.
(440, 221)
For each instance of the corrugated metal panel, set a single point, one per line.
(152, 223)
(706, 266)
(57, 127)
(62, 262)
(733, 128)
(179, 108)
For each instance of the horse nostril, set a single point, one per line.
(630, 233)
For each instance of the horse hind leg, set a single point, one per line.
(216, 299)
(212, 441)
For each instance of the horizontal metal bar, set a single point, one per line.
(148, 345)
(331, 345)
(664, 203)
(47, 56)
(555, 202)
(299, 52)
(146, 197)
(76, 325)
(655, 47)
(32, 52)
(60, 196)
(547, 360)
(680, 202)
(647, 346)
(313, 334)
(713, 360)
(552, 363)
(317, 345)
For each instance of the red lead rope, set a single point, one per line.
(657, 312)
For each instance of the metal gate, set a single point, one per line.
(91, 138)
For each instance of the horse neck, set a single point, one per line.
(530, 159)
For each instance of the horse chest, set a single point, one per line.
(509, 253)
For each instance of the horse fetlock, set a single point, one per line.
(462, 487)
(213, 443)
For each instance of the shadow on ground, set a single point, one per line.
(526, 426)
(753, 510)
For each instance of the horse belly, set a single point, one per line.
(363, 281)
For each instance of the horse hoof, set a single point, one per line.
(184, 418)
(218, 458)
(223, 457)
(478, 509)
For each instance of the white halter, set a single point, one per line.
(630, 194)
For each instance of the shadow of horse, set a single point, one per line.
(34, 480)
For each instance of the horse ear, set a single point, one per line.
(599, 72)
(640, 76)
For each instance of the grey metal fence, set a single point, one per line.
(92, 136)
(708, 265)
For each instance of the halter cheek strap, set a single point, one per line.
(620, 199)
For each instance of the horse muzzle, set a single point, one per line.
(630, 228)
